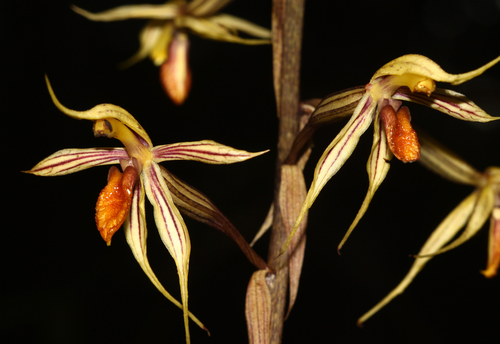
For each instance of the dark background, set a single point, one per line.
(62, 284)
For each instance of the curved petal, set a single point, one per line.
(242, 25)
(205, 27)
(196, 205)
(206, 151)
(172, 229)
(441, 235)
(445, 163)
(424, 66)
(73, 160)
(136, 235)
(480, 214)
(102, 111)
(447, 101)
(165, 11)
(336, 154)
(377, 167)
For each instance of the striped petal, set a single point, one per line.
(206, 151)
(165, 11)
(172, 229)
(196, 205)
(424, 66)
(441, 235)
(242, 25)
(447, 101)
(377, 167)
(72, 160)
(136, 235)
(334, 157)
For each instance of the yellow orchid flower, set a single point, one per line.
(471, 213)
(122, 201)
(164, 39)
(409, 77)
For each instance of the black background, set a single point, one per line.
(62, 284)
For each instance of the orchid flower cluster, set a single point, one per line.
(139, 175)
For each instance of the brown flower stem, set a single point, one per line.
(287, 20)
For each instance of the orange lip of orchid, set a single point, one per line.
(402, 139)
(113, 204)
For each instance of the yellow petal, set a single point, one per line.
(441, 235)
(102, 111)
(421, 65)
(165, 11)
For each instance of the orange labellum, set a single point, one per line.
(113, 204)
(402, 139)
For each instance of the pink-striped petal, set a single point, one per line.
(377, 167)
(171, 227)
(206, 151)
(73, 160)
(334, 157)
(136, 234)
(447, 101)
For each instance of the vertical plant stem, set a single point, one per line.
(287, 20)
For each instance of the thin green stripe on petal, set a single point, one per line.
(72, 160)
(339, 150)
(136, 235)
(441, 235)
(424, 66)
(206, 151)
(449, 102)
(172, 229)
(377, 168)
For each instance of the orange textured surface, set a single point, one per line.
(113, 204)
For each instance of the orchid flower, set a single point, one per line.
(411, 78)
(472, 213)
(164, 39)
(122, 201)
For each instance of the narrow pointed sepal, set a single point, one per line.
(73, 160)
(446, 230)
(258, 308)
(196, 205)
(136, 235)
(103, 111)
(377, 168)
(424, 66)
(449, 102)
(165, 11)
(171, 227)
(440, 160)
(206, 151)
(336, 154)
(482, 210)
